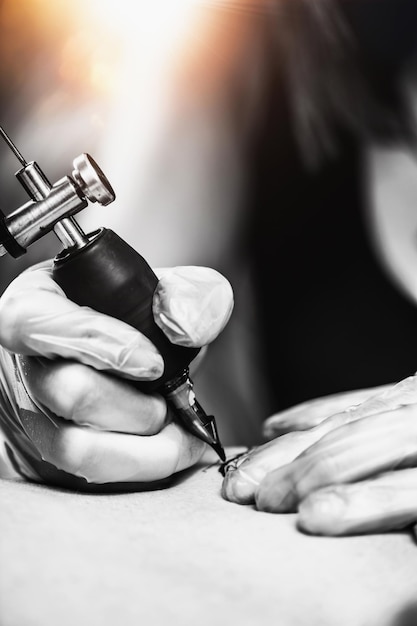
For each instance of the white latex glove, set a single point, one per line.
(65, 407)
(352, 472)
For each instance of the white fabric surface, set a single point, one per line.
(183, 556)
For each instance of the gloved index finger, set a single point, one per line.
(37, 319)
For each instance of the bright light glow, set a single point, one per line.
(148, 32)
(151, 24)
(92, 38)
(142, 17)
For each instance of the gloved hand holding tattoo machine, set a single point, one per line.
(68, 411)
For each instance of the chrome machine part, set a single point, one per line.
(91, 180)
(52, 206)
(38, 187)
(34, 181)
(34, 219)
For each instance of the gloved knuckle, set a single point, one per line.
(156, 417)
(316, 470)
(323, 470)
(84, 391)
(76, 387)
(71, 450)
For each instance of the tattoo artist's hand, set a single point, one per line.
(65, 401)
(351, 468)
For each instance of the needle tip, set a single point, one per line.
(220, 450)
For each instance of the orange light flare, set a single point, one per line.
(151, 24)
(107, 35)
(142, 36)
(91, 61)
(89, 39)
(86, 44)
(53, 35)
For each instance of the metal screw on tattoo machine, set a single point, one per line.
(101, 271)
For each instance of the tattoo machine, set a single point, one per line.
(103, 272)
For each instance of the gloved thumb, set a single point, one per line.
(192, 304)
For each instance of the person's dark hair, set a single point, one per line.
(344, 62)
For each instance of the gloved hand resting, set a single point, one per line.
(346, 470)
(67, 411)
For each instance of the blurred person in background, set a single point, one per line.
(282, 154)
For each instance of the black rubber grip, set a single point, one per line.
(109, 276)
